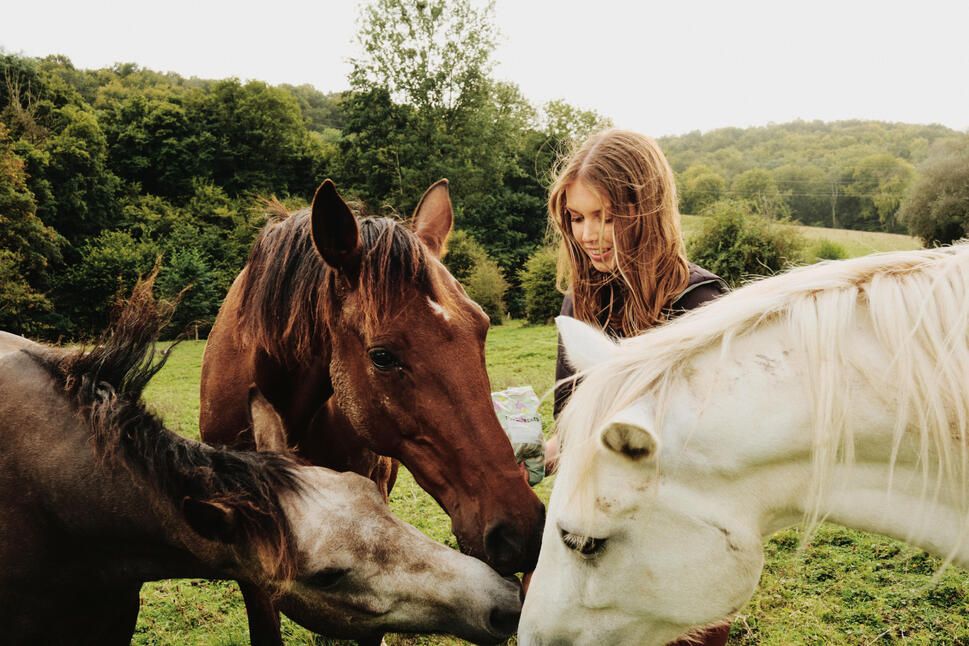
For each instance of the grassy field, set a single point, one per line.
(847, 588)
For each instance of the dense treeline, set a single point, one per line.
(846, 174)
(105, 172)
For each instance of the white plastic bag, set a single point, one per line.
(517, 410)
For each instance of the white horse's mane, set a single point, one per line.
(916, 302)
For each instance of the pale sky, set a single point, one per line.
(658, 67)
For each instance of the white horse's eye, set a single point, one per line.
(585, 546)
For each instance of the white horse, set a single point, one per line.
(834, 392)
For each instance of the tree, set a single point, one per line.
(699, 186)
(757, 186)
(188, 274)
(879, 183)
(433, 55)
(27, 249)
(806, 190)
(936, 208)
(565, 123)
(423, 107)
(321, 112)
(257, 138)
(110, 265)
(22, 308)
(819, 168)
(153, 141)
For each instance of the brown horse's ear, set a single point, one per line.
(267, 425)
(434, 218)
(212, 520)
(335, 232)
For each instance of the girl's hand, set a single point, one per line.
(551, 455)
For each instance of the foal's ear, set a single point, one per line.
(434, 218)
(335, 232)
(627, 435)
(212, 520)
(585, 346)
(267, 426)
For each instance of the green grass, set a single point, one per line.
(847, 588)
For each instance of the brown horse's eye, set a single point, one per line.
(383, 359)
(327, 578)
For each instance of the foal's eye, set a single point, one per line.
(383, 359)
(327, 578)
(585, 546)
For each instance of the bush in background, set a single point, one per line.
(463, 252)
(481, 277)
(737, 244)
(486, 286)
(828, 250)
(543, 301)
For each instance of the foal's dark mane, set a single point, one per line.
(105, 386)
(288, 293)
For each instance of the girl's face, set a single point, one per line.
(591, 223)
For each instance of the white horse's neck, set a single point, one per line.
(858, 497)
(752, 439)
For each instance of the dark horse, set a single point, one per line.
(96, 497)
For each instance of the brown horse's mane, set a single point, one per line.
(288, 293)
(105, 386)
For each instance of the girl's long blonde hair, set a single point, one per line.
(631, 174)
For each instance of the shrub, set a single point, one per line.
(463, 253)
(486, 286)
(829, 250)
(542, 300)
(467, 261)
(736, 243)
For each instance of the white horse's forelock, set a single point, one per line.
(916, 302)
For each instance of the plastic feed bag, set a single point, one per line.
(517, 410)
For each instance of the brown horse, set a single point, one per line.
(96, 497)
(368, 347)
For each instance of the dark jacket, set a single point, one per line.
(703, 286)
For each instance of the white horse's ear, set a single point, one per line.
(267, 426)
(627, 434)
(585, 346)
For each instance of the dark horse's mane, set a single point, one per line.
(288, 293)
(105, 386)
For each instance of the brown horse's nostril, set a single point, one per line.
(504, 621)
(503, 548)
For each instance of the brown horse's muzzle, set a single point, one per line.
(512, 544)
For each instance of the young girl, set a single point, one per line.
(622, 262)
